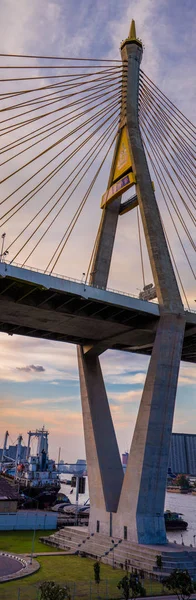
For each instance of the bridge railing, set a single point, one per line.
(66, 278)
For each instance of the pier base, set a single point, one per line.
(132, 507)
(105, 472)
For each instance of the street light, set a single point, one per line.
(33, 540)
(194, 539)
(113, 542)
(2, 247)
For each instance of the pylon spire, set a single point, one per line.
(132, 31)
(132, 38)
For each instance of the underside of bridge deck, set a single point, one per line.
(44, 306)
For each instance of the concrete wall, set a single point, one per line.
(27, 520)
(8, 506)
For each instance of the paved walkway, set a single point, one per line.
(193, 597)
(15, 566)
(51, 553)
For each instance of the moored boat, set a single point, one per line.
(174, 521)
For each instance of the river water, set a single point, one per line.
(180, 503)
(185, 504)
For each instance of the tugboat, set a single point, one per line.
(174, 521)
(35, 476)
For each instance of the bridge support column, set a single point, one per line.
(141, 505)
(105, 472)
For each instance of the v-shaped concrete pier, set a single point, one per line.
(133, 509)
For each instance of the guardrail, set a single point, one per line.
(66, 278)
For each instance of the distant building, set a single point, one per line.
(183, 453)
(11, 452)
(8, 497)
(125, 457)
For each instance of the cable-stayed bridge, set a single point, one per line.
(45, 306)
(61, 121)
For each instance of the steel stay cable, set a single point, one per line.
(89, 152)
(40, 100)
(158, 158)
(162, 109)
(62, 75)
(65, 77)
(95, 245)
(53, 146)
(64, 204)
(38, 67)
(77, 102)
(168, 105)
(167, 100)
(58, 128)
(104, 85)
(140, 245)
(169, 194)
(79, 210)
(164, 118)
(189, 132)
(48, 177)
(155, 126)
(75, 78)
(188, 193)
(169, 174)
(48, 227)
(161, 186)
(146, 103)
(175, 265)
(99, 86)
(84, 158)
(110, 60)
(181, 133)
(19, 143)
(11, 128)
(187, 178)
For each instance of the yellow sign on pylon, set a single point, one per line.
(123, 158)
(123, 177)
(118, 188)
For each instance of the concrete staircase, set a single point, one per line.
(123, 554)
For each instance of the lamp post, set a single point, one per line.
(77, 497)
(33, 540)
(2, 247)
(113, 542)
(194, 540)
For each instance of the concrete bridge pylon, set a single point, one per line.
(132, 507)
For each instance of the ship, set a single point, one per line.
(35, 476)
(174, 521)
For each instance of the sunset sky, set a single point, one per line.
(39, 379)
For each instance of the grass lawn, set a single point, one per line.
(21, 542)
(76, 571)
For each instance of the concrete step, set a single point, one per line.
(137, 556)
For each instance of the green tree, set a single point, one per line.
(52, 591)
(159, 561)
(131, 587)
(182, 481)
(124, 586)
(97, 572)
(179, 583)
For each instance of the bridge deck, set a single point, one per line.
(45, 306)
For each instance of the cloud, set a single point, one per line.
(34, 368)
(125, 397)
(54, 27)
